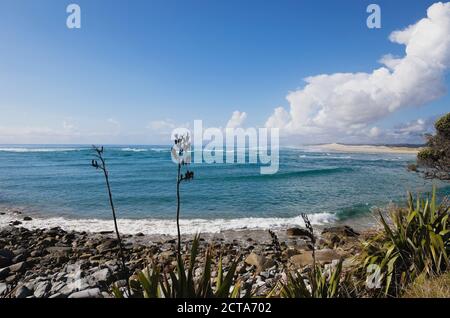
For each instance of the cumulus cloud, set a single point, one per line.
(237, 119)
(165, 127)
(350, 103)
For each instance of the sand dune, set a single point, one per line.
(367, 148)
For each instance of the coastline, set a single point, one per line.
(335, 147)
(166, 228)
(56, 263)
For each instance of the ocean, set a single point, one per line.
(57, 186)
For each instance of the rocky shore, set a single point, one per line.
(56, 263)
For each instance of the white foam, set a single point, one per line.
(160, 149)
(168, 227)
(134, 149)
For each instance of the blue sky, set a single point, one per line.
(134, 63)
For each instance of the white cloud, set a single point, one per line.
(237, 119)
(161, 125)
(164, 127)
(343, 104)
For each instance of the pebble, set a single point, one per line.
(55, 263)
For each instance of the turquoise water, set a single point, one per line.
(58, 181)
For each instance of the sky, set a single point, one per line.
(137, 69)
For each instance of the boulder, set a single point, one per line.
(107, 245)
(23, 251)
(59, 249)
(11, 279)
(19, 258)
(324, 256)
(27, 218)
(4, 261)
(287, 253)
(19, 267)
(259, 261)
(41, 289)
(6, 253)
(101, 276)
(4, 272)
(297, 231)
(344, 230)
(72, 287)
(22, 292)
(87, 293)
(3, 289)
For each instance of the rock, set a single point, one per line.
(57, 295)
(15, 223)
(324, 256)
(264, 275)
(3, 288)
(27, 218)
(19, 267)
(296, 231)
(36, 253)
(88, 293)
(121, 283)
(59, 249)
(11, 278)
(287, 253)
(102, 275)
(53, 231)
(6, 253)
(48, 241)
(22, 292)
(106, 232)
(259, 261)
(41, 289)
(4, 272)
(56, 287)
(107, 245)
(19, 258)
(4, 261)
(19, 251)
(139, 234)
(77, 284)
(340, 230)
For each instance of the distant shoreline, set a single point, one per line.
(367, 148)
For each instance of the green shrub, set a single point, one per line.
(150, 283)
(414, 241)
(442, 125)
(318, 283)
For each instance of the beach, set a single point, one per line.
(367, 149)
(55, 263)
